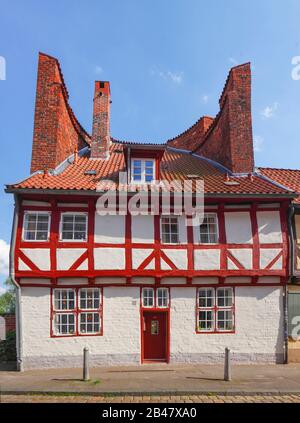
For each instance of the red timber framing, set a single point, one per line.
(59, 204)
(155, 310)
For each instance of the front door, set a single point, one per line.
(154, 336)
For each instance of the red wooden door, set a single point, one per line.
(155, 336)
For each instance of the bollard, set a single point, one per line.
(86, 372)
(227, 365)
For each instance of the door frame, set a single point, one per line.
(166, 311)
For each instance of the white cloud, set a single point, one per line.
(4, 257)
(175, 77)
(269, 111)
(98, 70)
(205, 98)
(258, 142)
(2, 290)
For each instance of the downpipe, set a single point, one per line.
(291, 212)
(19, 347)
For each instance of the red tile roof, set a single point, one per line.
(175, 165)
(289, 178)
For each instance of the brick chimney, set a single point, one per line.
(101, 121)
(57, 133)
(229, 140)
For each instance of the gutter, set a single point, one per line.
(18, 288)
(93, 192)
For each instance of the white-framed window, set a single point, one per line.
(142, 170)
(208, 230)
(155, 298)
(215, 310)
(224, 309)
(77, 311)
(64, 305)
(64, 299)
(148, 297)
(73, 227)
(89, 298)
(162, 297)
(64, 324)
(36, 226)
(89, 323)
(169, 229)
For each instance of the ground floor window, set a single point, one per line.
(155, 297)
(215, 310)
(76, 311)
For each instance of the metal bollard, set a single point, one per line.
(227, 365)
(86, 372)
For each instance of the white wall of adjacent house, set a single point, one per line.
(258, 336)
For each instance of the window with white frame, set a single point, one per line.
(215, 310)
(148, 297)
(170, 229)
(209, 233)
(73, 227)
(36, 226)
(155, 298)
(162, 297)
(77, 311)
(142, 170)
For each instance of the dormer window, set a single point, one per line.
(142, 170)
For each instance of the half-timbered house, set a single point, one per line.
(147, 288)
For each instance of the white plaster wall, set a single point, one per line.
(267, 255)
(121, 330)
(66, 257)
(244, 256)
(109, 258)
(238, 228)
(207, 259)
(178, 257)
(139, 255)
(39, 256)
(269, 228)
(142, 228)
(259, 327)
(109, 229)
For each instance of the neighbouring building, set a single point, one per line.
(291, 179)
(147, 288)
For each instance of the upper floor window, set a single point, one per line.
(209, 233)
(170, 230)
(36, 226)
(143, 170)
(73, 227)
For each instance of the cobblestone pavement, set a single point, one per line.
(259, 398)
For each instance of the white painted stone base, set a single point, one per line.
(258, 336)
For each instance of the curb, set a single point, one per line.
(150, 394)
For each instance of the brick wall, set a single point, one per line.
(229, 139)
(57, 133)
(190, 139)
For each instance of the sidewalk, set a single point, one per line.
(157, 378)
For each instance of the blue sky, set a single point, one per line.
(167, 61)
